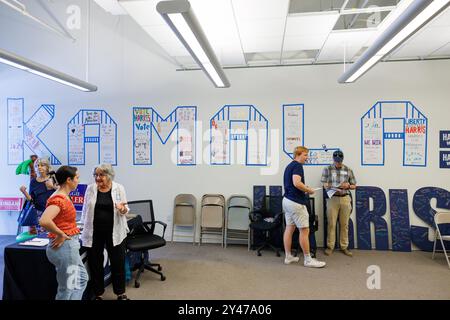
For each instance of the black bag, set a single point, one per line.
(28, 216)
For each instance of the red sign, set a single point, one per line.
(11, 204)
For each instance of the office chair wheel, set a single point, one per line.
(159, 268)
(163, 278)
(278, 254)
(259, 254)
(137, 284)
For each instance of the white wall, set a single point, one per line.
(131, 70)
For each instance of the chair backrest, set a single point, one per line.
(213, 199)
(185, 199)
(212, 210)
(442, 217)
(237, 200)
(144, 208)
(239, 206)
(184, 210)
(272, 205)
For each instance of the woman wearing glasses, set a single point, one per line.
(105, 224)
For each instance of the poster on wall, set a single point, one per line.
(415, 142)
(219, 142)
(257, 135)
(293, 124)
(372, 137)
(21, 134)
(147, 122)
(320, 157)
(186, 128)
(141, 140)
(444, 139)
(239, 123)
(108, 143)
(444, 159)
(394, 120)
(95, 127)
(76, 142)
(15, 131)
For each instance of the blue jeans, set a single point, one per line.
(71, 274)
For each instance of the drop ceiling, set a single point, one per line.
(247, 33)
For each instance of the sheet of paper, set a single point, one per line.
(36, 242)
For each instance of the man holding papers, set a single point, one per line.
(338, 180)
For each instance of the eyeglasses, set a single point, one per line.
(101, 175)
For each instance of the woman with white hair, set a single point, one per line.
(41, 188)
(105, 224)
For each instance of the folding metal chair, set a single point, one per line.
(184, 214)
(237, 219)
(439, 219)
(212, 216)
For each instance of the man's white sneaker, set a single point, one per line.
(314, 263)
(291, 259)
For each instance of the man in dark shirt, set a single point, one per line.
(295, 211)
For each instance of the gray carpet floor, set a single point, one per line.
(212, 272)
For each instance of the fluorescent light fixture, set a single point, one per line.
(416, 15)
(179, 16)
(21, 63)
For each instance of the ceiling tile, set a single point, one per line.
(304, 42)
(143, 11)
(260, 9)
(311, 24)
(443, 51)
(424, 42)
(261, 28)
(263, 44)
(339, 42)
(443, 20)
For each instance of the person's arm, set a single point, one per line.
(351, 184)
(50, 185)
(24, 191)
(122, 206)
(297, 181)
(46, 221)
(325, 178)
(352, 180)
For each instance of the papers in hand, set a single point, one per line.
(332, 191)
(36, 242)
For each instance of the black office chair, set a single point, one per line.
(267, 220)
(141, 237)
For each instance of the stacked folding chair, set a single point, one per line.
(237, 219)
(212, 220)
(184, 215)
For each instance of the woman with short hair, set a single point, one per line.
(105, 224)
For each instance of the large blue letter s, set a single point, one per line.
(423, 209)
